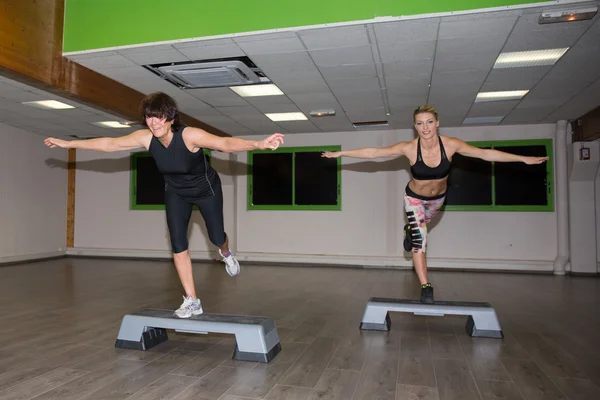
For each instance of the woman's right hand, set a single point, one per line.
(53, 142)
(331, 154)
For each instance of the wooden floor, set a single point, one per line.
(59, 321)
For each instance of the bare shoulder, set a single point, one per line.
(451, 142)
(143, 137)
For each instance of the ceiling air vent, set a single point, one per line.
(369, 125)
(210, 73)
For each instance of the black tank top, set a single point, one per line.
(422, 172)
(186, 173)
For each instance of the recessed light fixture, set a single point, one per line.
(534, 58)
(482, 120)
(322, 113)
(289, 116)
(575, 14)
(48, 104)
(110, 124)
(257, 90)
(503, 95)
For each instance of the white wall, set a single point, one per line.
(33, 197)
(582, 208)
(105, 225)
(368, 230)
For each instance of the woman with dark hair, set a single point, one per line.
(430, 157)
(189, 179)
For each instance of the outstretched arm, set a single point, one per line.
(395, 150)
(467, 150)
(132, 141)
(203, 139)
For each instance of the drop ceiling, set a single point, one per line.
(376, 71)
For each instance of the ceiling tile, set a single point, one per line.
(335, 37)
(497, 108)
(283, 45)
(407, 30)
(203, 51)
(471, 45)
(343, 56)
(218, 97)
(400, 51)
(157, 57)
(511, 78)
(360, 71)
(476, 27)
(298, 126)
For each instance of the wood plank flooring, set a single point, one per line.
(59, 320)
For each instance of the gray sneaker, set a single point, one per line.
(189, 307)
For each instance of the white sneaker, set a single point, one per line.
(189, 307)
(232, 266)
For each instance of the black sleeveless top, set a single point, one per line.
(422, 172)
(186, 173)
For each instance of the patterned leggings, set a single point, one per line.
(420, 210)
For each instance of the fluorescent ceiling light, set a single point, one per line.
(257, 90)
(48, 104)
(110, 124)
(497, 96)
(289, 116)
(534, 58)
(482, 120)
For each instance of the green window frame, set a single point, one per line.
(293, 205)
(133, 184)
(549, 207)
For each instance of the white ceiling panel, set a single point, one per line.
(400, 51)
(292, 61)
(543, 39)
(407, 68)
(250, 37)
(343, 36)
(241, 111)
(514, 78)
(298, 126)
(360, 71)
(343, 56)
(399, 86)
(469, 80)
(203, 51)
(106, 62)
(407, 31)
(476, 27)
(272, 46)
(586, 100)
(526, 115)
(464, 63)
(218, 97)
(492, 108)
(155, 56)
(471, 46)
(363, 115)
(275, 107)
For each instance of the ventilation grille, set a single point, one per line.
(215, 73)
(370, 125)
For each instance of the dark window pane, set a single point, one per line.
(470, 182)
(519, 184)
(150, 184)
(316, 179)
(272, 179)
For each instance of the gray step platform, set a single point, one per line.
(257, 338)
(482, 321)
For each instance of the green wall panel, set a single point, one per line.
(95, 24)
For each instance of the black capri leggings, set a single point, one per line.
(179, 212)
